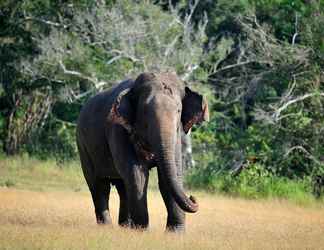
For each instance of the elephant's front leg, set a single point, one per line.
(137, 196)
(100, 195)
(123, 218)
(134, 175)
(176, 216)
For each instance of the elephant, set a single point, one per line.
(124, 132)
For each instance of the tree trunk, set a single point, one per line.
(25, 119)
(187, 159)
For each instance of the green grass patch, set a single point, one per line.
(24, 172)
(253, 183)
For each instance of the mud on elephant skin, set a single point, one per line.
(123, 132)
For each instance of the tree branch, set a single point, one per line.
(277, 113)
(47, 22)
(309, 155)
(192, 8)
(239, 64)
(190, 70)
(97, 84)
(121, 54)
(296, 29)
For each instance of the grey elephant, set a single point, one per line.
(124, 132)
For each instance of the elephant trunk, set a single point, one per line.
(165, 151)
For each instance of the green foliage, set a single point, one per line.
(282, 16)
(79, 48)
(244, 127)
(56, 141)
(254, 182)
(2, 131)
(9, 183)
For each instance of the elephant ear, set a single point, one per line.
(121, 111)
(194, 109)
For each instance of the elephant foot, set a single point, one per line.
(178, 228)
(139, 221)
(140, 226)
(124, 223)
(103, 218)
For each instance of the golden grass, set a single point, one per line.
(65, 220)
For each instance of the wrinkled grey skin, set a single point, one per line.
(156, 107)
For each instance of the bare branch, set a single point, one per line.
(192, 8)
(190, 70)
(296, 29)
(170, 49)
(80, 96)
(277, 113)
(240, 64)
(287, 96)
(123, 54)
(112, 60)
(97, 84)
(308, 154)
(47, 22)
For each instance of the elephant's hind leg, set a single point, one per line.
(99, 188)
(100, 196)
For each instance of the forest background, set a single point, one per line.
(260, 64)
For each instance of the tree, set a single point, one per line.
(83, 50)
(269, 99)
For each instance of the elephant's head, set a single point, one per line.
(159, 107)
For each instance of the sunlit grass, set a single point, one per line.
(65, 220)
(48, 207)
(25, 172)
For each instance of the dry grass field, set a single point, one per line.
(65, 220)
(48, 206)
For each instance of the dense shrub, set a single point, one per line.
(253, 182)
